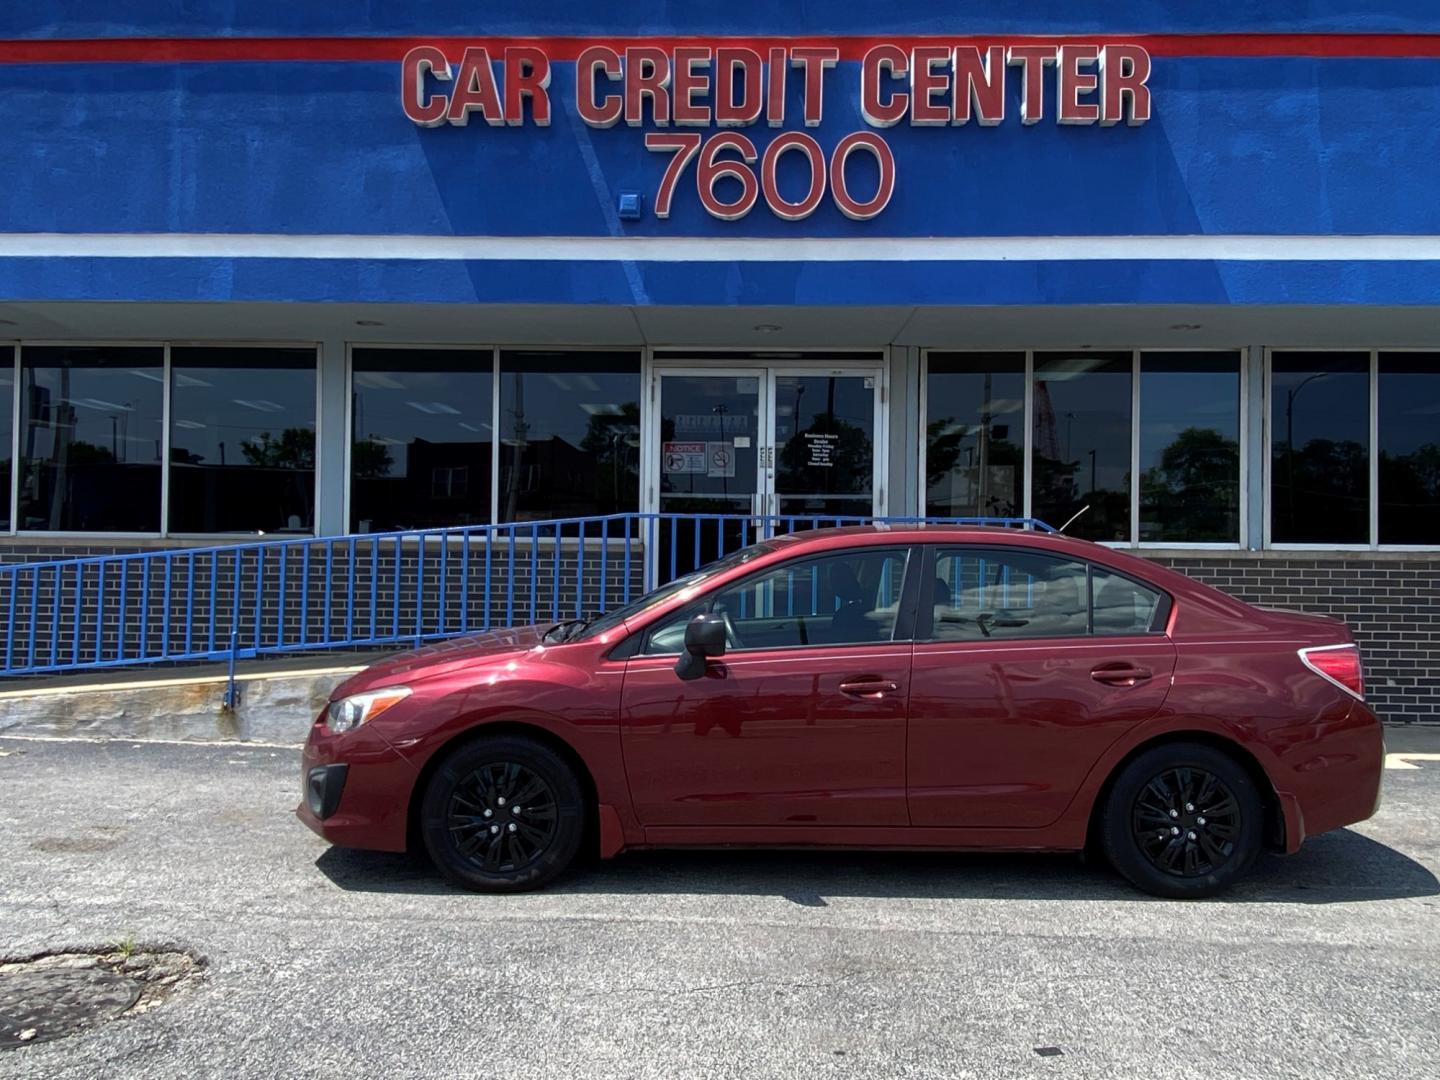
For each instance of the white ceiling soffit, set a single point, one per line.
(1113, 326)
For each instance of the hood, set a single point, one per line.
(443, 655)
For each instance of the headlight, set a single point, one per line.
(357, 709)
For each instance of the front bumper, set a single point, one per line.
(356, 789)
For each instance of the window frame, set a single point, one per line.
(925, 613)
(905, 616)
(1242, 355)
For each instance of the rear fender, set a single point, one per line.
(1075, 823)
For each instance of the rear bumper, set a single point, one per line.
(355, 789)
(1335, 779)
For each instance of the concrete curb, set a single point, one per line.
(275, 709)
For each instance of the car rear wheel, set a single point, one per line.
(502, 814)
(1182, 820)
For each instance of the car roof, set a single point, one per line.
(926, 530)
(1056, 543)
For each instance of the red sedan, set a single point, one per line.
(875, 687)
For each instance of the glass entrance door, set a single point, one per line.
(708, 446)
(740, 453)
(825, 461)
(710, 443)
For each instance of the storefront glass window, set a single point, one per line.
(1081, 450)
(1190, 447)
(1319, 440)
(91, 437)
(422, 438)
(1409, 448)
(569, 434)
(242, 440)
(975, 435)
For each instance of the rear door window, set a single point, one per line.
(983, 594)
(978, 594)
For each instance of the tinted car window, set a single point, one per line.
(849, 598)
(979, 594)
(1122, 606)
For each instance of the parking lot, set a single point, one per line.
(323, 962)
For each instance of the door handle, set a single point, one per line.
(1120, 674)
(868, 688)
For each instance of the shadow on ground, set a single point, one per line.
(1339, 867)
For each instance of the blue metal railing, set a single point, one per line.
(275, 596)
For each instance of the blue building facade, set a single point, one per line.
(276, 270)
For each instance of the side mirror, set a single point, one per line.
(704, 638)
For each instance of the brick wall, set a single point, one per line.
(1391, 603)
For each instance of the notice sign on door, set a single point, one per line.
(684, 457)
(821, 447)
(721, 458)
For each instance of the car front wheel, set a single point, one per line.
(1183, 820)
(502, 814)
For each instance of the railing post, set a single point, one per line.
(232, 694)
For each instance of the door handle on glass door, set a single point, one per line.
(871, 688)
(1120, 674)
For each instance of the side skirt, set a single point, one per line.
(1058, 837)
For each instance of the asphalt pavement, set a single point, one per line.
(329, 963)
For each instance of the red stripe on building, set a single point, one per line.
(240, 49)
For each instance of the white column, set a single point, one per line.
(332, 440)
(1257, 449)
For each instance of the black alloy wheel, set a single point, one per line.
(1182, 820)
(502, 814)
(502, 817)
(1185, 821)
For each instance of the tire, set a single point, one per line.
(1155, 831)
(513, 847)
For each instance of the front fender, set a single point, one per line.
(584, 719)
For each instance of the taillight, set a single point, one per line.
(1338, 663)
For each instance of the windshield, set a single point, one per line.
(688, 581)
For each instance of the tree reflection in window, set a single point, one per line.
(1319, 438)
(569, 433)
(1081, 451)
(421, 420)
(1190, 447)
(974, 435)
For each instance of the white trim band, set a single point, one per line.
(1237, 248)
